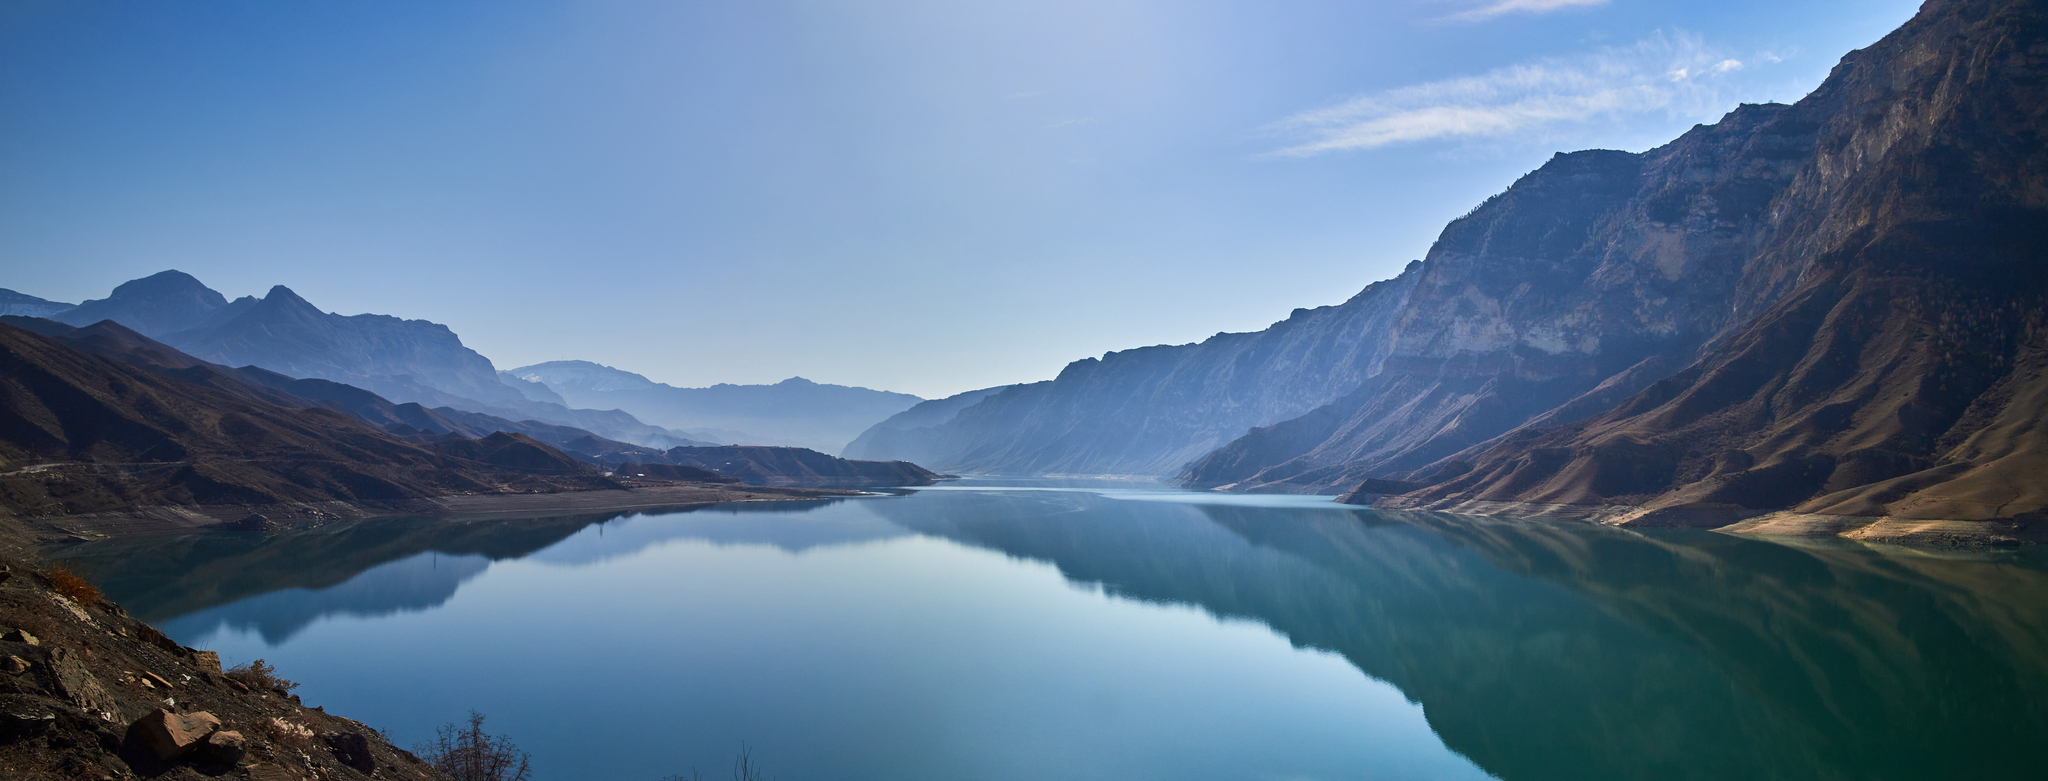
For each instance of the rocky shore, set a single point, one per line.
(88, 692)
(1730, 519)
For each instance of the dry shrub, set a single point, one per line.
(468, 753)
(261, 677)
(68, 583)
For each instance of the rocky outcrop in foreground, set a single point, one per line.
(88, 692)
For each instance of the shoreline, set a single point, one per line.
(40, 532)
(1937, 533)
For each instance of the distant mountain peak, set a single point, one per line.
(280, 295)
(171, 282)
(160, 303)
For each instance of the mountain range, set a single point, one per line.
(105, 419)
(1832, 308)
(424, 362)
(794, 412)
(85, 432)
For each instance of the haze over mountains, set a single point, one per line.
(425, 362)
(104, 420)
(795, 411)
(1834, 306)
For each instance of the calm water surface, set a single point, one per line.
(1040, 629)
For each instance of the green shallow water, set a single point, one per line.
(1043, 629)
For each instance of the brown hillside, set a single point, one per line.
(1904, 375)
(83, 433)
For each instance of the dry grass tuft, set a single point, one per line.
(261, 677)
(69, 584)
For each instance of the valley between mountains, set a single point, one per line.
(1826, 318)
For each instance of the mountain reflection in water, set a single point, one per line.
(1537, 650)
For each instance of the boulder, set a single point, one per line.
(225, 747)
(207, 660)
(25, 723)
(173, 735)
(352, 749)
(77, 684)
(14, 665)
(18, 636)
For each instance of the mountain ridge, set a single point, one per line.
(795, 412)
(1905, 379)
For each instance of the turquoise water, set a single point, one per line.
(1044, 629)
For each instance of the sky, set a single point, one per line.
(925, 197)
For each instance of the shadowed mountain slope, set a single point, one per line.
(1906, 374)
(109, 339)
(1589, 278)
(83, 433)
(408, 361)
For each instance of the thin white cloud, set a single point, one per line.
(1504, 7)
(1675, 74)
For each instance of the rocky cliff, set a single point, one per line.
(1903, 375)
(1587, 279)
(1833, 307)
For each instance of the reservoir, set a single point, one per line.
(1033, 629)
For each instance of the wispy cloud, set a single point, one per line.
(1672, 74)
(1503, 7)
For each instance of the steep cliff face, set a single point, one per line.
(1592, 276)
(1149, 410)
(1906, 372)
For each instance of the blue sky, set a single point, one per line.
(926, 197)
